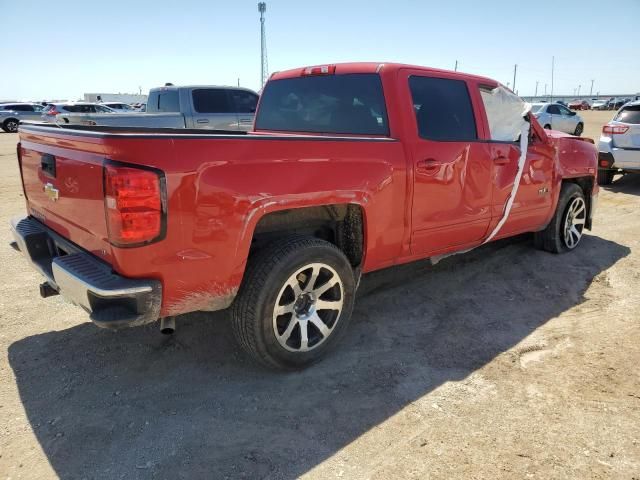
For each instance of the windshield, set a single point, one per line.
(537, 107)
(343, 104)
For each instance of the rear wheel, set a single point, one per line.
(605, 176)
(579, 130)
(294, 303)
(10, 125)
(565, 230)
(547, 127)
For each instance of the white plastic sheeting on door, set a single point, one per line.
(506, 116)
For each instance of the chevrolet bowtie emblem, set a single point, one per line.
(51, 192)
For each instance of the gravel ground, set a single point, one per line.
(505, 362)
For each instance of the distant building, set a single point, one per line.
(115, 97)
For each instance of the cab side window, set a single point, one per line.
(443, 109)
(553, 110)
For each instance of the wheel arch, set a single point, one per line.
(586, 183)
(342, 224)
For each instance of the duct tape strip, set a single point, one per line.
(524, 144)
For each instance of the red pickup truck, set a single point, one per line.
(350, 168)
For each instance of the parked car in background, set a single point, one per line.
(201, 107)
(52, 110)
(599, 104)
(119, 107)
(619, 145)
(615, 103)
(553, 116)
(11, 114)
(352, 168)
(579, 105)
(561, 102)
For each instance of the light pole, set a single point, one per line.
(262, 8)
(591, 91)
(536, 94)
(553, 65)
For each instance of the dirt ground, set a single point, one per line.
(505, 362)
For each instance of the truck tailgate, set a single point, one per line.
(63, 184)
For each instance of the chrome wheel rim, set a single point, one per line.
(308, 307)
(12, 126)
(574, 222)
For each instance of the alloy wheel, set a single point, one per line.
(574, 222)
(308, 307)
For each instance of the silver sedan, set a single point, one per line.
(554, 116)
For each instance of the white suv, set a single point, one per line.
(619, 146)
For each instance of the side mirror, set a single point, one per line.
(572, 113)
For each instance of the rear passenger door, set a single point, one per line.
(245, 104)
(451, 169)
(213, 109)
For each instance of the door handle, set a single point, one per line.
(428, 166)
(500, 160)
(202, 120)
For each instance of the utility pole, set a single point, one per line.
(262, 8)
(238, 81)
(591, 91)
(536, 94)
(515, 69)
(545, 89)
(553, 65)
(455, 69)
(579, 90)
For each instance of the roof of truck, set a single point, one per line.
(376, 67)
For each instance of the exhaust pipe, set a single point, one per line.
(167, 325)
(46, 290)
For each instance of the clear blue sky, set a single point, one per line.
(62, 49)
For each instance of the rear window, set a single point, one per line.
(344, 104)
(629, 114)
(163, 101)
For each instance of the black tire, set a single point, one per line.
(579, 130)
(10, 125)
(553, 238)
(267, 281)
(605, 176)
(547, 127)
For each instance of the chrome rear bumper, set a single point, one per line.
(112, 301)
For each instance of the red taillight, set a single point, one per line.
(133, 205)
(615, 129)
(319, 70)
(53, 111)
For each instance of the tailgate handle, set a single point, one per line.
(48, 164)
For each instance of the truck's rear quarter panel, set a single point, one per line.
(218, 189)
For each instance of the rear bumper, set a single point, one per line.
(111, 300)
(626, 158)
(610, 156)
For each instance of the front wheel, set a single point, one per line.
(579, 130)
(294, 303)
(10, 125)
(565, 229)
